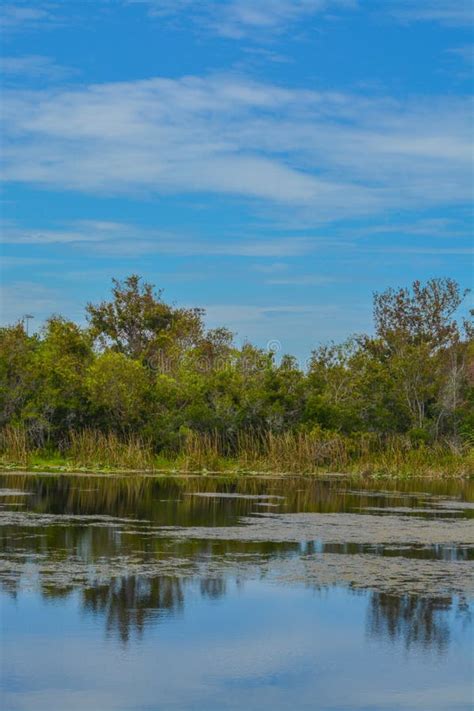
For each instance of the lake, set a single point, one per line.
(257, 593)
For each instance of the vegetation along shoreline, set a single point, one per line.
(145, 387)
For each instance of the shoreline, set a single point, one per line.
(227, 474)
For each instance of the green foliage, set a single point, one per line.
(145, 371)
(117, 389)
(137, 323)
(44, 378)
(16, 372)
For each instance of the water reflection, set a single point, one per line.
(186, 501)
(129, 604)
(95, 538)
(416, 621)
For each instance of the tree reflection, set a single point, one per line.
(184, 501)
(130, 603)
(213, 588)
(416, 621)
(97, 537)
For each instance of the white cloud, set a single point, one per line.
(449, 12)
(272, 268)
(254, 665)
(454, 251)
(25, 297)
(333, 154)
(121, 239)
(236, 19)
(18, 262)
(262, 19)
(33, 66)
(426, 226)
(302, 280)
(247, 313)
(243, 17)
(25, 16)
(80, 232)
(466, 53)
(257, 20)
(290, 328)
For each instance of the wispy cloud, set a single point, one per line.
(237, 19)
(121, 240)
(453, 251)
(8, 262)
(255, 20)
(466, 53)
(283, 325)
(80, 232)
(263, 19)
(333, 153)
(449, 12)
(33, 66)
(21, 15)
(25, 297)
(272, 268)
(301, 280)
(442, 227)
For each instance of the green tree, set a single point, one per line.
(420, 342)
(117, 388)
(137, 322)
(16, 376)
(58, 400)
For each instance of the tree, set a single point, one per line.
(117, 387)
(420, 341)
(137, 323)
(58, 364)
(16, 377)
(332, 387)
(159, 372)
(424, 314)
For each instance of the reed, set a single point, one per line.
(199, 451)
(15, 445)
(399, 457)
(94, 449)
(322, 451)
(317, 451)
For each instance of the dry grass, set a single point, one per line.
(14, 445)
(296, 453)
(319, 451)
(199, 451)
(90, 448)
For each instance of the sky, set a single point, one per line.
(274, 162)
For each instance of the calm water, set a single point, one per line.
(210, 594)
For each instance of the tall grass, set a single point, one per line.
(198, 451)
(289, 452)
(90, 448)
(319, 451)
(15, 445)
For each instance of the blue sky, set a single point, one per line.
(273, 161)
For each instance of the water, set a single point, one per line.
(208, 594)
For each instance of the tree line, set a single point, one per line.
(143, 366)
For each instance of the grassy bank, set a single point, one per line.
(292, 453)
